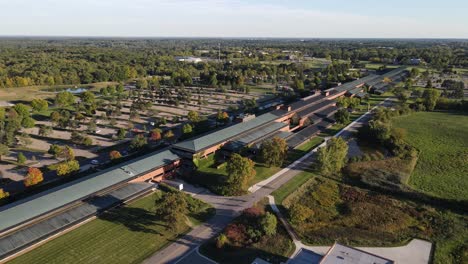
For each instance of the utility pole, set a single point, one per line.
(219, 52)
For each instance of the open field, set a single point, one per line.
(30, 92)
(442, 139)
(357, 217)
(123, 235)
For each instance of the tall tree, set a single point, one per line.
(273, 152)
(430, 97)
(332, 157)
(172, 208)
(240, 171)
(33, 177)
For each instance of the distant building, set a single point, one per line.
(415, 61)
(189, 59)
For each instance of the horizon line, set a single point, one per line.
(229, 37)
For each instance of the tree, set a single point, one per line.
(172, 208)
(87, 141)
(28, 122)
(268, 224)
(67, 167)
(55, 150)
(121, 133)
(221, 240)
(3, 194)
(332, 157)
(193, 116)
(92, 127)
(429, 84)
(141, 84)
(33, 177)
(240, 171)
(64, 99)
(138, 142)
(187, 129)
(22, 110)
(114, 154)
(55, 117)
(155, 134)
(342, 116)
(222, 117)
(213, 80)
(169, 135)
(44, 131)
(39, 105)
(66, 153)
(430, 97)
(273, 152)
(88, 97)
(4, 150)
(21, 159)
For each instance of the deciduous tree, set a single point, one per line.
(332, 157)
(273, 152)
(33, 177)
(240, 171)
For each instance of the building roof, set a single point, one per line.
(24, 210)
(306, 102)
(391, 74)
(217, 137)
(353, 84)
(315, 107)
(340, 254)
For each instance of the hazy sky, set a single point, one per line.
(236, 18)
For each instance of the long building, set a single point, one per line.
(38, 217)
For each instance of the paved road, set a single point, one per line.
(227, 208)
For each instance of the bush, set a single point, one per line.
(221, 240)
(3, 194)
(21, 159)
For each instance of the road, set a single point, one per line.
(227, 208)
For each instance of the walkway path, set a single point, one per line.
(417, 251)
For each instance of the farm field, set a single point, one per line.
(442, 139)
(123, 235)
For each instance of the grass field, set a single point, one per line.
(359, 217)
(284, 191)
(30, 92)
(442, 139)
(124, 235)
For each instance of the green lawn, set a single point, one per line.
(124, 235)
(442, 139)
(286, 189)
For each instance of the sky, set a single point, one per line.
(236, 18)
